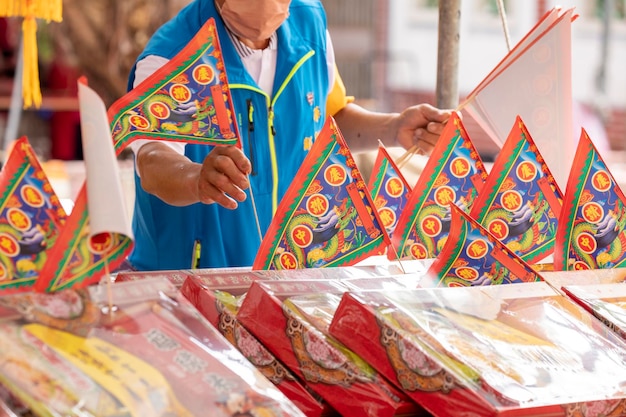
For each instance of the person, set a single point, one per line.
(192, 207)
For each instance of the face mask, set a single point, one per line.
(254, 20)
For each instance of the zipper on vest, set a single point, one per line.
(251, 134)
(195, 255)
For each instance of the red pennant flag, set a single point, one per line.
(187, 100)
(327, 217)
(454, 173)
(97, 236)
(31, 217)
(78, 259)
(389, 189)
(520, 202)
(472, 256)
(591, 226)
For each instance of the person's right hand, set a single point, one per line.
(224, 177)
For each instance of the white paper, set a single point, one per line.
(105, 196)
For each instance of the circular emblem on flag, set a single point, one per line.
(418, 251)
(526, 171)
(288, 260)
(581, 266)
(139, 122)
(499, 228)
(394, 187)
(18, 219)
(203, 74)
(317, 205)
(601, 181)
(159, 110)
(586, 242)
(387, 217)
(460, 167)
(477, 249)
(32, 196)
(335, 174)
(9, 245)
(100, 243)
(3, 272)
(467, 273)
(431, 225)
(302, 235)
(445, 195)
(592, 212)
(511, 200)
(180, 93)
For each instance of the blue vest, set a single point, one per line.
(276, 139)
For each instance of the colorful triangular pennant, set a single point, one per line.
(327, 217)
(389, 189)
(591, 226)
(31, 219)
(472, 256)
(97, 236)
(187, 100)
(454, 173)
(520, 202)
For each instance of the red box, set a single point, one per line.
(176, 277)
(343, 379)
(510, 350)
(215, 297)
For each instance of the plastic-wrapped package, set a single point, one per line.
(129, 349)
(508, 350)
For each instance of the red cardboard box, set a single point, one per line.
(343, 379)
(511, 350)
(215, 297)
(176, 277)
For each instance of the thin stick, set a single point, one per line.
(505, 26)
(395, 253)
(107, 276)
(407, 154)
(256, 214)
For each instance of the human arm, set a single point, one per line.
(418, 125)
(171, 176)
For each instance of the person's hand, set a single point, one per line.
(224, 177)
(419, 127)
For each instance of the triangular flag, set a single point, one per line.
(31, 217)
(389, 189)
(591, 226)
(533, 81)
(472, 256)
(454, 173)
(520, 202)
(97, 237)
(187, 100)
(327, 217)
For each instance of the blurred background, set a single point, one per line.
(386, 50)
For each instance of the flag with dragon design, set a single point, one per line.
(31, 218)
(327, 217)
(591, 226)
(471, 256)
(97, 235)
(389, 189)
(187, 100)
(521, 201)
(454, 173)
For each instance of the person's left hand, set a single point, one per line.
(419, 127)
